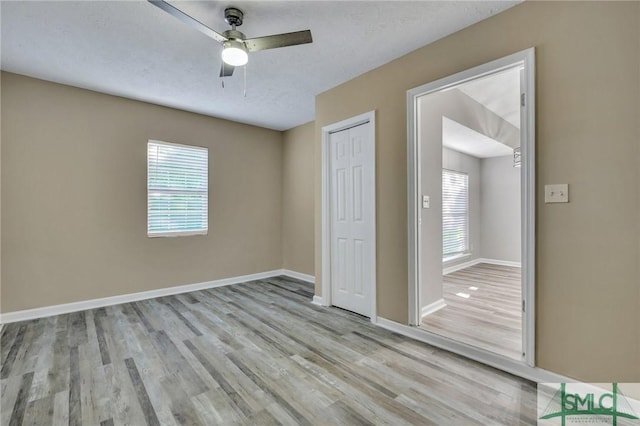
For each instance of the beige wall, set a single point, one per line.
(74, 197)
(588, 309)
(298, 199)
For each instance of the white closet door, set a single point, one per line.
(352, 257)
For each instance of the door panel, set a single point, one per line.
(357, 194)
(352, 154)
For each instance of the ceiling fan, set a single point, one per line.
(235, 45)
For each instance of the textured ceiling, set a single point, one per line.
(135, 50)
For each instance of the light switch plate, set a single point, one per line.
(425, 201)
(558, 193)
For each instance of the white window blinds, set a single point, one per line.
(177, 189)
(455, 212)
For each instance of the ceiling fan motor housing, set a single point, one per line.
(233, 16)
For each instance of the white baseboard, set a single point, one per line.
(517, 368)
(29, 314)
(459, 266)
(319, 300)
(500, 262)
(299, 276)
(432, 307)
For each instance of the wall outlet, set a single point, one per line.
(558, 193)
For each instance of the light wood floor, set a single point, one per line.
(253, 353)
(490, 318)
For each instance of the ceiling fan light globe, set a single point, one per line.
(234, 53)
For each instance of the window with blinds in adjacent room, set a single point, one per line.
(455, 213)
(177, 189)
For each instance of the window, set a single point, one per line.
(455, 213)
(177, 189)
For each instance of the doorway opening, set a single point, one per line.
(471, 210)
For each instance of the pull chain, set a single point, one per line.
(245, 81)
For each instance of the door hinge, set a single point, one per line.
(523, 306)
(522, 99)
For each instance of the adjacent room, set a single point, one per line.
(215, 213)
(475, 129)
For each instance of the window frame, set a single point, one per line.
(467, 242)
(178, 233)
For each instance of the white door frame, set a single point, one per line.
(368, 117)
(527, 182)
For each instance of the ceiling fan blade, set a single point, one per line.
(188, 20)
(278, 40)
(226, 70)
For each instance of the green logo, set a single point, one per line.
(605, 406)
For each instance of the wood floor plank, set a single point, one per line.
(214, 407)
(39, 412)
(43, 361)
(61, 408)
(299, 417)
(58, 373)
(176, 364)
(126, 408)
(13, 352)
(99, 319)
(78, 324)
(7, 338)
(235, 398)
(253, 353)
(262, 417)
(28, 355)
(94, 396)
(117, 327)
(358, 397)
(180, 405)
(141, 393)
(75, 402)
(20, 405)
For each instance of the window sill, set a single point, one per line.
(176, 234)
